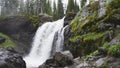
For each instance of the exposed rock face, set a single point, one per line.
(68, 18)
(60, 59)
(20, 29)
(116, 40)
(45, 18)
(10, 59)
(92, 27)
(2, 40)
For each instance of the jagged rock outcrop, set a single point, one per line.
(10, 59)
(20, 29)
(93, 27)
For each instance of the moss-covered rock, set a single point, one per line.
(8, 42)
(89, 30)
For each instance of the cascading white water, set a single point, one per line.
(42, 44)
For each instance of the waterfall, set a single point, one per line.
(42, 43)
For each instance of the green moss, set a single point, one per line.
(74, 39)
(112, 8)
(3, 17)
(91, 36)
(74, 25)
(105, 45)
(35, 19)
(92, 54)
(8, 42)
(85, 30)
(105, 65)
(114, 50)
(93, 6)
(89, 42)
(94, 36)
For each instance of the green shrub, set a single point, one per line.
(105, 45)
(114, 50)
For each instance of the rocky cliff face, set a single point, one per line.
(94, 26)
(21, 29)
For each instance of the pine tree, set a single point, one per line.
(76, 7)
(60, 9)
(70, 7)
(48, 8)
(54, 11)
(21, 8)
(10, 7)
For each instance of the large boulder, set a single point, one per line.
(60, 59)
(10, 59)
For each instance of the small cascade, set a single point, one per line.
(43, 42)
(60, 40)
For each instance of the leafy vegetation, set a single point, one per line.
(35, 19)
(114, 50)
(92, 54)
(8, 42)
(91, 36)
(105, 45)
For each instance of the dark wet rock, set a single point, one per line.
(9, 59)
(2, 40)
(54, 44)
(68, 18)
(20, 29)
(45, 18)
(12, 50)
(60, 59)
